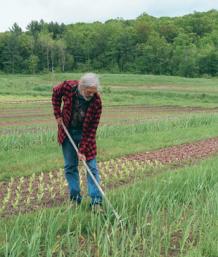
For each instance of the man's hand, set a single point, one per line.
(81, 157)
(59, 121)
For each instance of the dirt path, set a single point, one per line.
(112, 115)
(180, 153)
(50, 189)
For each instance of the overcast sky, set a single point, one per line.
(72, 11)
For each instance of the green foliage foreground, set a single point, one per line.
(173, 214)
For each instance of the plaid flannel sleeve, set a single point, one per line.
(57, 99)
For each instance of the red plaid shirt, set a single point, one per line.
(64, 92)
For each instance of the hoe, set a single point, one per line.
(90, 173)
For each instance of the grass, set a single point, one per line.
(25, 153)
(28, 83)
(174, 214)
(160, 98)
(118, 89)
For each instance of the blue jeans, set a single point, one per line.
(72, 173)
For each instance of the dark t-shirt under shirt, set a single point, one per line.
(79, 108)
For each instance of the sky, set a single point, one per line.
(72, 11)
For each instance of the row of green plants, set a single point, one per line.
(21, 192)
(35, 152)
(174, 214)
(19, 140)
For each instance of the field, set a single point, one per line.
(157, 155)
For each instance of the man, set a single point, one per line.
(80, 113)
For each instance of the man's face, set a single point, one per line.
(89, 92)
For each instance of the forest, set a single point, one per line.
(182, 46)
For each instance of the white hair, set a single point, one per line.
(89, 80)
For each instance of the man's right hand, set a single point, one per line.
(59, 121)
(81, 157)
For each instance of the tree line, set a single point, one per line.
(184, 46)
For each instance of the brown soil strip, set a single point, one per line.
(180, 153)
(29, 115)
(25, 123)
(121, 115)
(24, 101)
